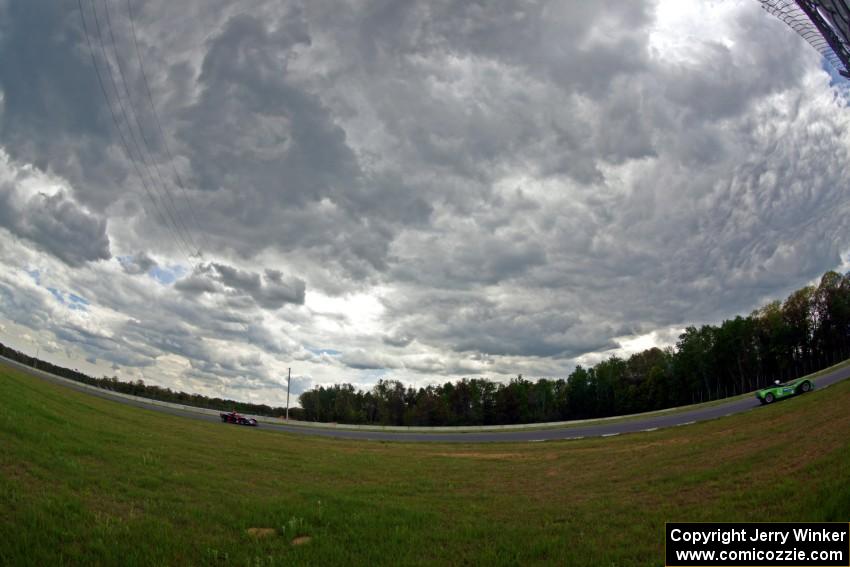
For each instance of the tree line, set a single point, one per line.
(783, 340)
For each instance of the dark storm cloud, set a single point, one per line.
(99, 346)
(56, 224)
(196, 283)
(513, 325)
(140, 263)
(269, 290)
(257, 132)
(458, 85)
(479, 257)
(397, 340)
(359, 359)
(50, 101)
(23, 304)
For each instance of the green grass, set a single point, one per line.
(89, 481)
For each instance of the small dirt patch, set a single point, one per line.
(487, 456)
(301, 540)
(261, 532)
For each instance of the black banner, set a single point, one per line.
(806, 544)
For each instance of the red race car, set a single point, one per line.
(238, 419)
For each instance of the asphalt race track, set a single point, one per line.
(633, 424)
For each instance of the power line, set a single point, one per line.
(157, 120)
(129, 125)
(146, 144)
(115, 117)
(133, 137)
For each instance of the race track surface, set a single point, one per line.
(633, 424)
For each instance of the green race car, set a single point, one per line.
(779, 390)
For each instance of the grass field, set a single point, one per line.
(90, 481)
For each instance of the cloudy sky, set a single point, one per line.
(416, 190)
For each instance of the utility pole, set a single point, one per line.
(288, 380)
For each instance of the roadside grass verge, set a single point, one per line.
(88, 481)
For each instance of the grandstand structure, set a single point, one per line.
(825, 24)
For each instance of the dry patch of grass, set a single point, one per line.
(261, 532)
(485, 456)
